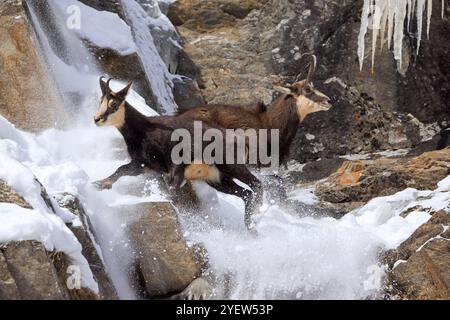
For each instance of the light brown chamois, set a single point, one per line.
(149, 144)
(285, 113)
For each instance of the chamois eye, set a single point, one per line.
(114, 104)
(307, 90)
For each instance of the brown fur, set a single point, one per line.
(285, 113)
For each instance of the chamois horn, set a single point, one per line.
(103, 84)
(107, 84)
(312, 68)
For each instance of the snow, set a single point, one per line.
(377, 14)
(41, 224)
(157, 74)
(93, 26)
(290, 256)
(381, 216)
(295, 257)
(304, 195)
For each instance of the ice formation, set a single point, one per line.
(388, 16)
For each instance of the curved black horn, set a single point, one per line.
(107, 84)
(312, 68)
(103, 84)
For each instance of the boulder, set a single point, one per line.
(8, 195)
(33, 272)
(420, 264)
(363, 180)
(234, 74)
(105, 5)
(165, 263)
(29, 99)
(8, 286)
(29, 272)
(85, 235)
(123, 67)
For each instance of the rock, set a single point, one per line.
(28, 271)
(310, 172)
(437, 142)
(423, 270)
(89, 251)
(256, 43)
(105, 5)
(169, 46)
(8, 286)
(355, 124)
(187, 94)
(206, 16)
(8, 195)
(62, 265)
(34, 274)
(365, 179)
(165, 264)
(123, 67)
(28, 98)
(199, 289)
(233, 74)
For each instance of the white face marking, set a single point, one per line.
(306, 106)
(116, 119)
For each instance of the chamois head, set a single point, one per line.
(112, 105)
(309, 100)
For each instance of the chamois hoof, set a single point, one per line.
(103, 184)
(199, 289)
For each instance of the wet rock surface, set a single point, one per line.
(29, 272)
(85, 235)
(33, 272)
(365, 179)
(25, 86)
(165, 264)
(256, 43)
(420, 264)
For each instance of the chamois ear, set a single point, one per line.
(103, 85)
(122, 94)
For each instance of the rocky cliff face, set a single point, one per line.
(230, 51)
(257, 42)
(28, 96)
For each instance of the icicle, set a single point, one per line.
(409, 3)
(419, 17)
(400, 15)
(388, 16)
(362, 32)
(376, 25)
(383, 24)
(429, 13)
(391, 8)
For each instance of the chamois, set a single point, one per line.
(149, 144)
(285, 113)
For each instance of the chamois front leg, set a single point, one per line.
(134, 168)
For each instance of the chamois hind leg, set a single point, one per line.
(176, 178)
(252, 197)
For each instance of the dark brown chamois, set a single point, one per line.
(285, 113)
(149, 144)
